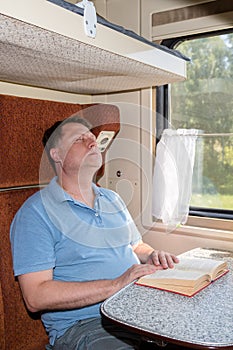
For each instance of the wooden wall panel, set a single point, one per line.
(20, 330)
(22, 124)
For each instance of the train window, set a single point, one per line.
(205, 102)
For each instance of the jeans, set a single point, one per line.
(97, 334)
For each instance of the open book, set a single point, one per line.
(188, 277)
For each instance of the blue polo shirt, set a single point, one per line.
(53, 231)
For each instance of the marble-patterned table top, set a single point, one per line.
(204, 320)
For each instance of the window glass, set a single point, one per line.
(205, 102)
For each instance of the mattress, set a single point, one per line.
(43, 44)
(130, 33)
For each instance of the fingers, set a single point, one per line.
(158, 260)
(134, 272)
(139, 270)
(174, 258)
(163, 259)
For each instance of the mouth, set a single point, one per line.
(94, 152)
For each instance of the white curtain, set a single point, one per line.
(172, 180)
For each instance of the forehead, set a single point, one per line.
(70, 129)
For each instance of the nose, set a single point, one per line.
(90, 139)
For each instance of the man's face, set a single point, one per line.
(77, 148)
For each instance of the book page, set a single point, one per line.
(174, 276)
(188, 269)
(209, 266)
(178, 281)
(201, 283)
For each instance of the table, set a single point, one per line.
(204, 321)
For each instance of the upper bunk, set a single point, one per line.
(43, 44)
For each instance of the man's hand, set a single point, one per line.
(158, 258)
(162, 260)
(134, 272)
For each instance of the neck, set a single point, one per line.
(80, 189)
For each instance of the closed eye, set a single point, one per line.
(79, 139)
(84, 137)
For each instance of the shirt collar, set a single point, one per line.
(61, 196)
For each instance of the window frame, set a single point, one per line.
(162, 109)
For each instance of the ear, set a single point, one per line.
(54, 154)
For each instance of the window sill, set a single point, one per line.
(210, 223)
(199, 227)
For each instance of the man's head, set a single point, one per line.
(54, 138)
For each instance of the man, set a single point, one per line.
(75, 244)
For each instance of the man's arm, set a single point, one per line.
(41, 292)
(147, 255)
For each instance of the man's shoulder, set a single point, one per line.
(33, 200)
(37, 198)
(108, 193)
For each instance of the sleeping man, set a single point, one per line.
(74, 244)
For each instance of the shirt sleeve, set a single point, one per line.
(32, 241)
